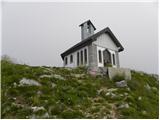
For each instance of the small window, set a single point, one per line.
(71, 58)
(66, 60)
(77, 58)
(81, 57)
(85, 56)
(113, 59)
(100, 56)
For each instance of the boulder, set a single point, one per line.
(124, 105)
(29, 82)
(58, 77)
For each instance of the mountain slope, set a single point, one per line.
(51, 92)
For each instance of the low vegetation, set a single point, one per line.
(72, 93)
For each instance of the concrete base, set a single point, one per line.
(110, 72)
(119, 71)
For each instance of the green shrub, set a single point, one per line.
(118, 78)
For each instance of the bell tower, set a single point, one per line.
(87, 29)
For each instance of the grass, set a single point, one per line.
(74, 97)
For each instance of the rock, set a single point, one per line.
(122, 83)
(14, 98)
(125, 94)
(39, 92)
(58, 77)
(121, 95)
(53, 85)
(107, 94)
(46, 76)
(112, 89)
(125, 105)
(113, 95)
(128, 89)
(144, 112)
(139, 98)
(147, 87)
(35, 109)
(29, 82)
(14, 84)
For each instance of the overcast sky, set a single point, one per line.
(37, 33)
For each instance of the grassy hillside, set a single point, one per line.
(71, 93)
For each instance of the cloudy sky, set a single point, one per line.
(37, 33)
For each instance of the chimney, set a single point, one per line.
(87, 29)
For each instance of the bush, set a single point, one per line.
(118, 78)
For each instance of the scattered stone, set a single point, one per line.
(46, 76)
(144, 112)
(128, 89)
(39, 93)
(124, 105)
(125, 94)
(139, 98)
(113, 95)
(29, 82)
(107, 94)
(35, 109)
(121, 95)
(53, 85)
(58, 77)
(122, 83)
(14, 84)
(147, 87)
(14, 98)
(112, 89)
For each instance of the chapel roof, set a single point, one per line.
(92, 38)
